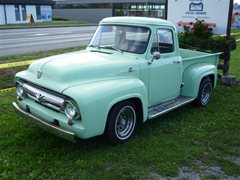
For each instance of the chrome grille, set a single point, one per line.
(44, 97)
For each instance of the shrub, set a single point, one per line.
(199, 35)
(198, 29)
(59, 19)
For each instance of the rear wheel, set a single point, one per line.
(205, 92)
(121, 122)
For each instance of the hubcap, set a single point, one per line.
(206, 93)
(125, 122)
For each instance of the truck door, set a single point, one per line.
(165, 74)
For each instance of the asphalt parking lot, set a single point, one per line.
(18, 41)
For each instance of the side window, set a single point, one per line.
(163, 41)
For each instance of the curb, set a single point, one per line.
(7, 90)
(7, 28)
(16, 64)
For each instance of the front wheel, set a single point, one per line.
(121, 122)
(205, 92)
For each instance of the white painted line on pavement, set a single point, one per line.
(40, 34)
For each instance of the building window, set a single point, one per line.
(24, 12)
(38, 10)
(140, 9)
(17, 13)
(83, 6)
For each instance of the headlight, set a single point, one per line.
(20, 90)
(70, 110)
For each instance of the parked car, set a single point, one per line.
(132, 70)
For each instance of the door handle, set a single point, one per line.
(177, 61)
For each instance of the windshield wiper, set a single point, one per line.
(95, 46)
(99, 50)
(111, 47)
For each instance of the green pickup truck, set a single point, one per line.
(132, 70)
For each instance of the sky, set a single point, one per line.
(237, 1)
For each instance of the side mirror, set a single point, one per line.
(156, 55)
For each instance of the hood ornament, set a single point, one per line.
(39, 74)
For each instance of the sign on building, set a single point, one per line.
(213, 12)
(46, 13)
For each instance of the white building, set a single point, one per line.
(95, 10)
(17, 12)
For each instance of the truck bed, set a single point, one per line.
(191, 57)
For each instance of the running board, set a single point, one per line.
(163, 108)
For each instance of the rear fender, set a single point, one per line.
(193, 76)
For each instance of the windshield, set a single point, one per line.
(121, 38)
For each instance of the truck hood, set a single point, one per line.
(71, 69)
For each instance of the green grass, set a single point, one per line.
(47, 24)
(236, 33)
(235, 62)
(178, 139)
(181, 138)
(37, 55)
(7, 75)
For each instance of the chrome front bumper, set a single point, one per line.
(44, 125)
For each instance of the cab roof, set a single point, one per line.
(136, 20)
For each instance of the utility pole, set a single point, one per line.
(228, 41)
(227, 79)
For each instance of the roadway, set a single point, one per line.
(19, 41)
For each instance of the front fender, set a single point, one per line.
(96, 99)
(193, 76)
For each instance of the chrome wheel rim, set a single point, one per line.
(206, 93)
(125, 122)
